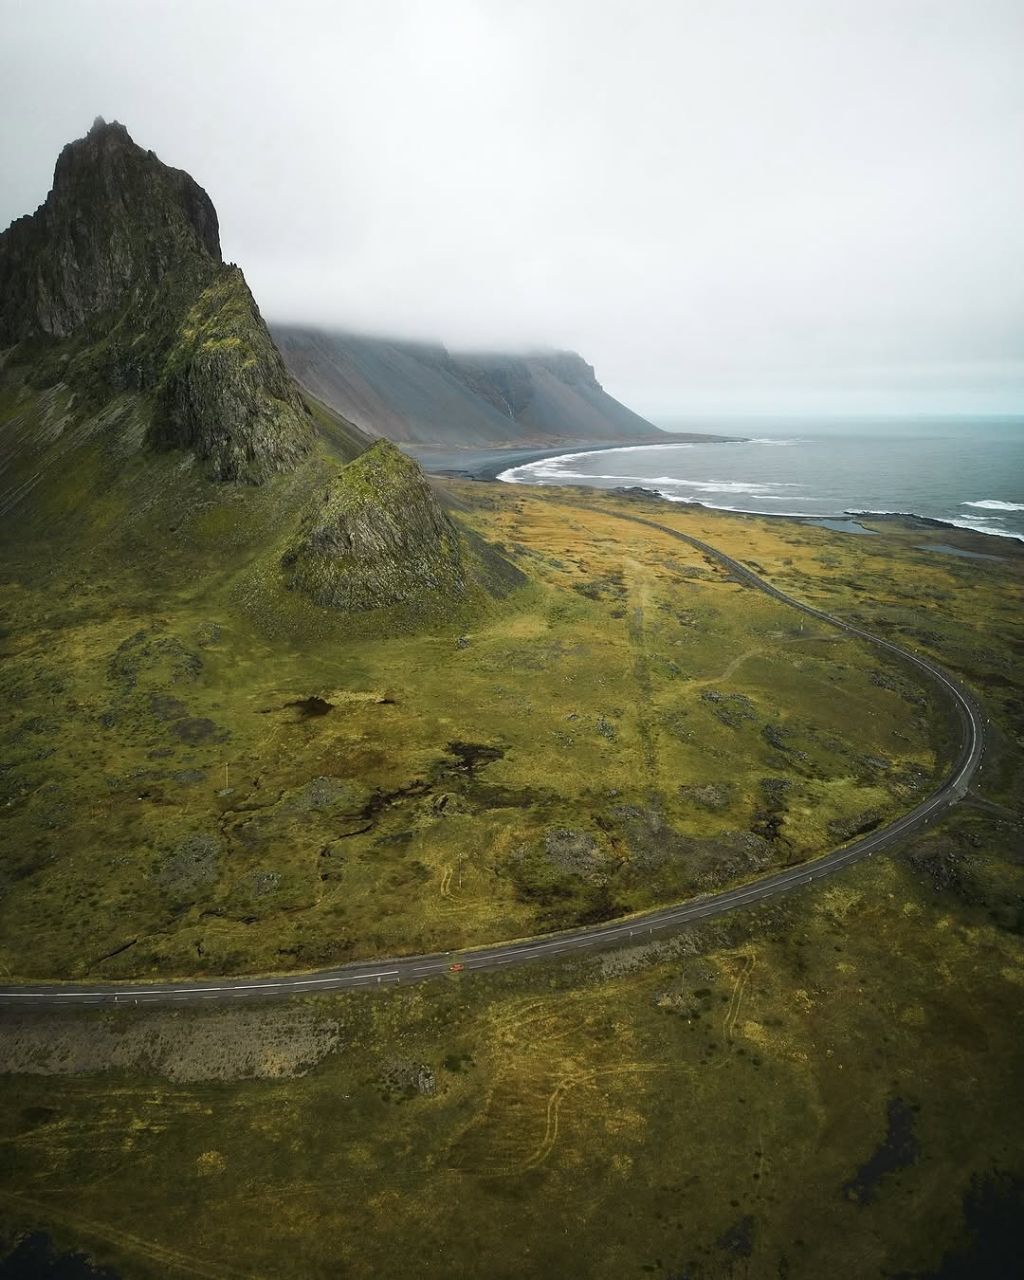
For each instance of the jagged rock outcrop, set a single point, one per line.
(378, 538)
(115, 223)
(117, 283)
(224, 392)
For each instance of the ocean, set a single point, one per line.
(966, 473)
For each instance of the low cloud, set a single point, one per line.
(809, 205)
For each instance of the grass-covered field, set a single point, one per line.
(829, 1086)
(209, 774)
(824, 1088)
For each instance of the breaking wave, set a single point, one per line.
(994, 504)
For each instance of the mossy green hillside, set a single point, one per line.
(823, 1087)
(377, 537)
(224, 391)
(212, 773)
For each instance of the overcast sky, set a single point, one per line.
(774, 205)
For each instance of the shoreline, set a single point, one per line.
(486, 465)
(475, 463)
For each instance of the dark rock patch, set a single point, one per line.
(738, 1240)
(163, 658)
(481, 795)
(662, 858)
(575, 852)
(733, 709)
(898, 1150)
(403, 1081)
(166, 707)
(711, 795)
(775, 791)
(189, 777)
(842, 829)
(775, 735)
(329, 795)
(196, 729)
(950, 868)
(769, 821)
(189, 867)
(471, 756)
(311, 707)
(35, 1258)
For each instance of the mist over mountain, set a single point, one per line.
(418, 393)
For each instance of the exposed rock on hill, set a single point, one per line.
(225, 393)
(378, 538)
(116, 283)
(421, 394)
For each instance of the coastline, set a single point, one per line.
(486, 465)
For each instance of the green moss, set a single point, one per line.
(206, 773)
(596, 705)
(374, 478)
(224, 393)
(378, 538)
(612, 1117)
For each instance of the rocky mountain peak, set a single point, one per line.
(124, 257)
(116, 221)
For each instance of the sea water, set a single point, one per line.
(968, 473)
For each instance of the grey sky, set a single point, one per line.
(774, 205)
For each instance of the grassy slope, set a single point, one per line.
(709, 1109)
(812, 1089)
(174, 809)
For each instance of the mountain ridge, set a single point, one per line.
(422, 393)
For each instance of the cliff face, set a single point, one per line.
(116, 283)
(224, 392)
(377, 538)
(427, 395)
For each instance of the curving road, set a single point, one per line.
(633, 929)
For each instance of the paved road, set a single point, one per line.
(635, 929)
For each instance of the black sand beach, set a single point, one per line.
(488, 464)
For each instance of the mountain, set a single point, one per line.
(422, 394)
(124, 260)
(145, 409)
